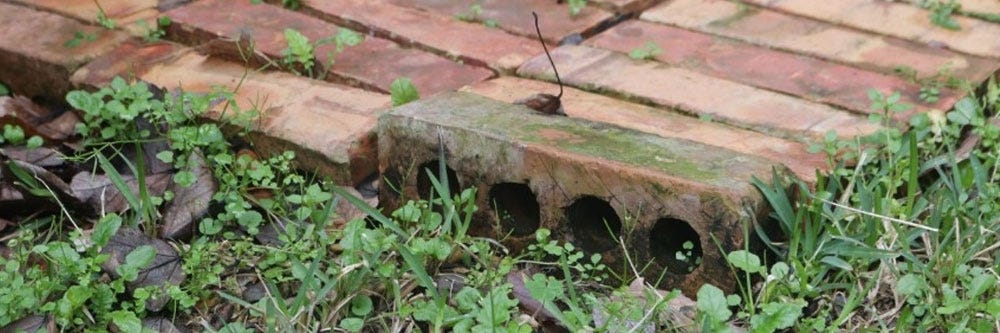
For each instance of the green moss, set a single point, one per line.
(742, 10)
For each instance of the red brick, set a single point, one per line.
(726, 101)
(34, 59)
(515, 16)
(624, 6)
(798, 75)
(665, 123)
(802, 35)
(373, 64)
(125, 13)
(472, 43)
(900, 20)
(330, 127)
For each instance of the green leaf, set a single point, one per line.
(126, 321)
(837, 263)
(777, 315)
(361, 305)
(105, 228)
(352, 324)
(166, 156)
(980, 284)
(745, 260)
(139, 258)
(403, 91)
(35, 142)
(3, 90)
(712, 303)
(347, 37)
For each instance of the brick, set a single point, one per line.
(981, 6)
(330, 127)
(34, 59)
(567, 163)
(899, 20)
(802, 76)
(472, 43)
(802, 35)
(733, 103)
(373, 64)
(515, 16)
(125, 13)
(664, 123)
(624, 6)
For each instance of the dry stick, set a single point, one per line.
(553, 63)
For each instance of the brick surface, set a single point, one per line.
(562, 159)
(798, 75)
(515, 16)
(34, 58)
(125, 13)
(981, 6)
(473, 43)
(802, 35)
(899, 20)
(373, 64)
(624, 6)
(740, 105)
(665, 123)
(330, 127)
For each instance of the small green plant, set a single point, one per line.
(292, 4)
(299, 55)
(941, 13)
(473, 14)
(576, 6)
(645, 52)
(156, 32)
(403, 91)
(79, 37)
(4, 91)
(102, 17)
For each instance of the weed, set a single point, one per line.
(941, 13)
(647, 51)
(576, 6)
(4, 91)
(156, 32)
(78, 38)
(102, 17)
(299, 55)
(403, 91)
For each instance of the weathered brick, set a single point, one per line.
(472, 43)
(802, 35)
(726, 101)
(899, 20)
(981, 6)
(515, 16)
(373, 64)
(125, 13)
(665, 123)
(798, 75)
(330, 127)
(34, 57)
(572, 168)
(625, 6)
(131, 57)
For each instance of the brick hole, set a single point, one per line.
(424, 185)
(675, 245)
(516, 207)
(591, 219)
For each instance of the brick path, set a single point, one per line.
(770, 75)
(757, 77)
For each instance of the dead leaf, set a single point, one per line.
(42, 156)
(33, 323)
(163, 271)
(161, 325)
(101, 194)
(189, 203)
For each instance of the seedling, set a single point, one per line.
(647, 51)
(941, 13)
